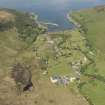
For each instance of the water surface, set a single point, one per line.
(54, 11)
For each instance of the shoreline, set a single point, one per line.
(49, 23)
(70, 18)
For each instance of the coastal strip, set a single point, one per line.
(72, 20)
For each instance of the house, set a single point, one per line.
(60, 80)
(72, 79)
(54, 79)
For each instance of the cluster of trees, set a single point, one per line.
(98, 77)
(21, 74)
(26, 25)
(6, 25)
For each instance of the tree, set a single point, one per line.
(22, 76)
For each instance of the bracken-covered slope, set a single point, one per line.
(16, 34)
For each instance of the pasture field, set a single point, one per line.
(92, 26)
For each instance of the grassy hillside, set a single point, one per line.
(23, 40)
(13, 25)
(92, 25)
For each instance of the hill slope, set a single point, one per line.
(23, 40)
(92, 25)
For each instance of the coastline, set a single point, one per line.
(49, 23)
(72, 20)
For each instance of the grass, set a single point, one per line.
(58, 48)
(93, 23)
(95, 90)
(9, 47)
(62, 51)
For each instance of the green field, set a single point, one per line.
(92, 23)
